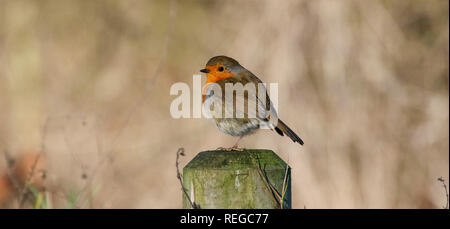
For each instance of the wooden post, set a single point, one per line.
(253, 178)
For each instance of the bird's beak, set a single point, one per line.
(205, 70)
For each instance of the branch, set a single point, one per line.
(180, 151)
(275, 194)
(446, 191)
(138, 103)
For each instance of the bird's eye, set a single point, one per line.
(220, 69)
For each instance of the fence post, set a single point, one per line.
(249, 179)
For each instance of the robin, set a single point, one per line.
(223, 70)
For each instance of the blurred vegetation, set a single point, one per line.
(364, 83)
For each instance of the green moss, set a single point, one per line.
(219, 159)
(230, 179)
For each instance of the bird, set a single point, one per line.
(223, 108)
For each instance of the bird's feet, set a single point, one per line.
(233, 148)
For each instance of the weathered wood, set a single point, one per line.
(233, 179)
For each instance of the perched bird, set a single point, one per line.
(224, 110)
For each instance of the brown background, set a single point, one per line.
(364, 83)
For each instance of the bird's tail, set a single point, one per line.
(283, 128)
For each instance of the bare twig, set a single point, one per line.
(284, 188)
(9, 165)
(279, 198)
(138, 103)
(162, 60)
(446, 191)
(275, 194)
(44, 135)
(180, 152)
(71, 151)
(24, 189)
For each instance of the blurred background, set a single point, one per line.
(84, 98)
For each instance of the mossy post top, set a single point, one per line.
(220, 159)
(248, 179)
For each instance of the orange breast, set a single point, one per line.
(213, 76)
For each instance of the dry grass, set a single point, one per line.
(364, 83)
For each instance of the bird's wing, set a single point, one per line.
(249, 99)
